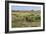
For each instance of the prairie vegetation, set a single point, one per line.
(26, 19)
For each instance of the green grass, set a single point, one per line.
(25, 19)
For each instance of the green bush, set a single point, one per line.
(32, 15)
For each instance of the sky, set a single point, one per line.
(25, 7)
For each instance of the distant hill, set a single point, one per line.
(38, 11)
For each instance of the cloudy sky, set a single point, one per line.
(25, 7)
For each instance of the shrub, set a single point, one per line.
(32, 14)
(37, 18)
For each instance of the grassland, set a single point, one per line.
(26, 19)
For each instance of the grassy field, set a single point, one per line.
(26, 19)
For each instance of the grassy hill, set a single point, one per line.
(26, 19)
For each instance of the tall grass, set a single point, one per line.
(25, 19)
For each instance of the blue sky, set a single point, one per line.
(25, 7)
